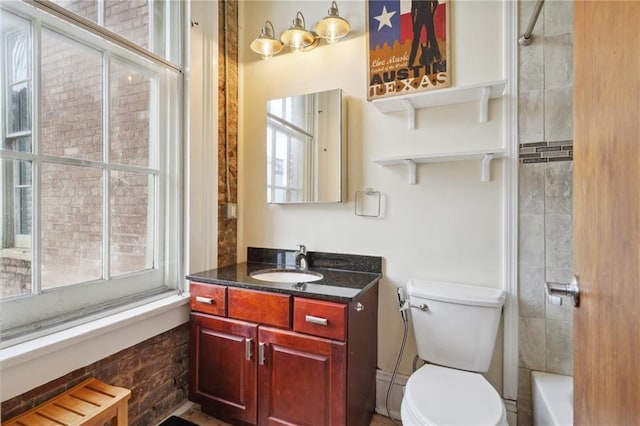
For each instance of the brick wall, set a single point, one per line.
(15, 274)
(129, 18)
(86, 9)
(156, 372)
(72, 126)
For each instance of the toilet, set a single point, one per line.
(455, 327)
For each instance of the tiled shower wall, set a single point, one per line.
(545, 194)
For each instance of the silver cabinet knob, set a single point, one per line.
(555, 290)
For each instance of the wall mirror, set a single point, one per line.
(306, 148)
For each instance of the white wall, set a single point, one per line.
(201, 195)
(449, 226)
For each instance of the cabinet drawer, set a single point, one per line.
(259, 306)
(208, 298)
(320, 318)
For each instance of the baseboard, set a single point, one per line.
(383, 379)
(512, 411)
(182, 409)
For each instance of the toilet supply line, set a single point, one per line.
(403, 307)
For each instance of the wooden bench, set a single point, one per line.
(92, 402)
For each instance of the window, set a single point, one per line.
(89, 160)
(290, 130)
(18, 135)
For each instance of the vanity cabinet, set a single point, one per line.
(265, 358)
(223, 371)
(301, 379)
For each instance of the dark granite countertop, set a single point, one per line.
(344, 276)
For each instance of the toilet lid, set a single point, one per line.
(444, 396)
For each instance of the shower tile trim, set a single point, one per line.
(545, 152)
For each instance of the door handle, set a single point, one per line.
(555, 290)
(247, 348)
(261, 353)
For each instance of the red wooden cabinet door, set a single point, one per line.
(223, 369)
(301, 379)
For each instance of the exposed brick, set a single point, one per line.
(227, 128)
(158, 386)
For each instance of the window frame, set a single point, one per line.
(41, 312)
(11, 231)
(20, 240)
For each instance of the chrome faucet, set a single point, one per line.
(300, 257)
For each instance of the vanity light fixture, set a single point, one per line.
(333, 27)
(266, 44)
(297, 37)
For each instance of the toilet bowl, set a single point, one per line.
(444, 396)
(455, 327)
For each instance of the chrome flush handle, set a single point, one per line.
(555, 290)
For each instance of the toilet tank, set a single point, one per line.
(455, 325)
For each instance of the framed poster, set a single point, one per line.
(408, 42)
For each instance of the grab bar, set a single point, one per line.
(526, 38)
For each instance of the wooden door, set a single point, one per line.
(302, 380)
(607, 212)
(223, 368)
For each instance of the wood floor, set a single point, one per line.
(193, 414)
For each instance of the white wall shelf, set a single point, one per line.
(481, 92)
(412, 160)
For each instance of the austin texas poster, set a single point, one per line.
(408, 46)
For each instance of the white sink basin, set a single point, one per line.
(286, 276)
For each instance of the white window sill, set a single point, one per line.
(36, 362)
(16, 253)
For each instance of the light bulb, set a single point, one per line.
(265, 45)
(297, 37)
(297, 45)
(332, 27)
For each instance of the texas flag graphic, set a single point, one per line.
(407, 46)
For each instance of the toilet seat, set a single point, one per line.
(443, 396)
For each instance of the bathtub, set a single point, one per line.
(552, 399)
